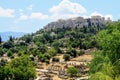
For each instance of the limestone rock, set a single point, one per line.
(77, 22)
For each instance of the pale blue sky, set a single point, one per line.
(31, 15)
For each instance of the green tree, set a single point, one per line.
(52, 51)
(20, 69)
(10, 38)
(2, 75)
(100, 76)
(106, 62)
(8, 45)
(74, 53)
(3, 62)
(27, 38)
(66, 57)
(1, 52)
(54, 59)
(82, 51)
(72, 71)
(9, 53)
(42, 48)
(47, 37)
(0, 40)
(48, 56)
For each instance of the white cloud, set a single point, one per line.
(30, 7)
(38, 15)
(23, 17)
(34, 15)
(95, 13)
(107, 16)
(67, 9)
(20, 10)
(6, 12)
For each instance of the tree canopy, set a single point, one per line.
(72, 71)
(18, 69)
(106, 62)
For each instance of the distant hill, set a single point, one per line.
(5, 35)
(70, 37)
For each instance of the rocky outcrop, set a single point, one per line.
(78, 22)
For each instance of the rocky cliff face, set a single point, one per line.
(78, 22)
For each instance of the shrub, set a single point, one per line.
(82, 51)
(66, 57)
(72, 71)
(9, 53)
(47, 61)
(55, 59)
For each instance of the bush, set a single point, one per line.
(66, 57)
(8, 45)
(73, 53)
(47, 55)
(72, 71)
(9, 53)
(52, 51)
(82, 51)
(47, 61)
(58, 50)
(1, 52)
(55, 59)
(41, 57)
(20, 68)
(3, 62)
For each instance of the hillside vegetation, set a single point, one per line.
(48, 42)
(106, 62)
